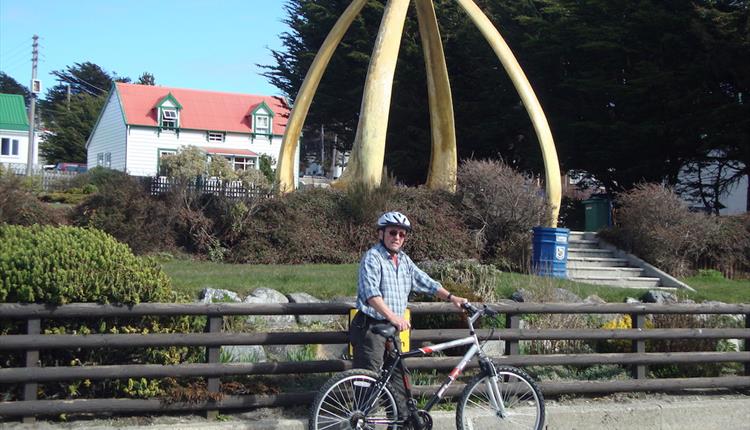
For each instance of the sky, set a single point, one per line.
(199, 44)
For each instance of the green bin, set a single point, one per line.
(598, 213)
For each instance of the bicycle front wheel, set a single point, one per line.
(349, 400)
(517, 403)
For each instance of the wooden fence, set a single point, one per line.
(33, 342)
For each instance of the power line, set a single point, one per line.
(21, 47)
(78, 81)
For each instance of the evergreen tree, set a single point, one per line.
(633, 90)
(8, 85)
(146, 78)
(71, 123)
(71, 129)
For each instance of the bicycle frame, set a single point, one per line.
(397, 362)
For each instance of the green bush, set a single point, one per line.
(57, 265)
(68, 264)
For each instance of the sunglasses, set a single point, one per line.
(394, 233)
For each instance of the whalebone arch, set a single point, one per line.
(365, 164)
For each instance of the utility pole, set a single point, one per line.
(334, 156)
(322, 147)
(35, 88)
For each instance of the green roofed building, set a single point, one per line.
(14, 131)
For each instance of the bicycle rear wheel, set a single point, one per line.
(523, 402)
(344, 403)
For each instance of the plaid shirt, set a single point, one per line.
(378, 276)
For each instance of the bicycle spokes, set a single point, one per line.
(510, 402)
(356, 403)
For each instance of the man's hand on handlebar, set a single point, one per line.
(400, 323)
(458, 301)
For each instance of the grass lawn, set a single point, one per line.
(320, 280)
(326, 281)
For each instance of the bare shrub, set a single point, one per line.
(19, 205)
(330, 226)
(545, 291)
(501, 206)
(122, 207)
(657, 225)
(690, 345)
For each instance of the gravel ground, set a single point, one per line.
(260, 418)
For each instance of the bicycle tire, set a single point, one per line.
(338, 403)
(524, 403)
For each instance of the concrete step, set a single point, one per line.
(583, 244)
(585, 253)
(606, 272)
(574, 262)
(582, 235)
(641, 282)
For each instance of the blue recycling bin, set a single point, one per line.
(550, 252)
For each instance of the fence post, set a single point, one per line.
(33, 326)
(213, 385)
(639, 345)
(512, 321)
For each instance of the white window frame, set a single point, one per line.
(11, 145)
(108, 160)
(170, 118)
(99, 159)
(216, 136)
(247, 162)
(257, 127)
(161, 153)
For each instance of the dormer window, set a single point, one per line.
(169, 118)
(169, 112)
(262, 119)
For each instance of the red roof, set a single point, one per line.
(201, 110)
(228, 151)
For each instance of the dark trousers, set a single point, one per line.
(369, 353)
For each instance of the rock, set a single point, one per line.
(494, 348)
(214, 295)
(332, 352)
(310, 319)
(631, 301)
(659, 297)
(243, 353)
(521, 295)
(269, 322)
(290, 352)
(561, 295)
(594, 300)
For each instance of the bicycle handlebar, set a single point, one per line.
(471, 310)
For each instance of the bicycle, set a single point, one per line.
(500, 397)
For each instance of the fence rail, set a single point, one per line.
(31, 343)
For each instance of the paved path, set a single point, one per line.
(657, 412)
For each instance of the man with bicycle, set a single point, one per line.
(386, 278)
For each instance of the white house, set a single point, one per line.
(141, 123)
(14, 132)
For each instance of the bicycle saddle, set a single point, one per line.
(384, 329)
